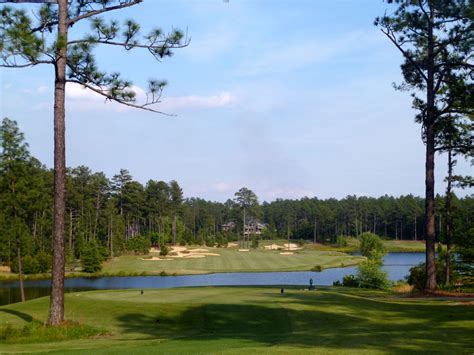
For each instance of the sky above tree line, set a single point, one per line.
(288, 98)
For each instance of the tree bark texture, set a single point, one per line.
(56, 309)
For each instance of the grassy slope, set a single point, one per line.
(236, 320)
(231, 260)
(408, 246)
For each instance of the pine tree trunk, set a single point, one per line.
(448, 224)
(430, 214)
(70, 231)
(429, 126)
(56, 309)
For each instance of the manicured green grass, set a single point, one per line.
(254, 320)
(232, 260)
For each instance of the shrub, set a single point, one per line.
(44, 261)
(139, 245)
(254, 244)
(371, 246)
(209, 241)
(417, 275)
(91, 260)
(164, 249)
(30, 265)
(317, 268)
(221, 241)
(341, 241)
(350, 281)
(371, 275)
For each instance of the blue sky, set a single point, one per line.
(288, 98)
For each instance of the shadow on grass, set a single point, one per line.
(24, 316)
(327, 320)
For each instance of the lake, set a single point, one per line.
(396, 264)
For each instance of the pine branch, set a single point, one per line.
(131, 45)
(73, 20)
(390, 36)
(30, 64)
(120, 101)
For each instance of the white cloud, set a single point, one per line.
(80, 98)
(193, 102)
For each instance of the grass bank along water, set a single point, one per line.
(397, 266)
(254, 320)
(202, 260)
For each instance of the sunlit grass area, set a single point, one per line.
(232, 260)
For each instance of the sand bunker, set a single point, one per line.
(178, 249)
(156, 259)
(287, 253)
(5, 269)
(273, 247)
(230, 245)
(291, 246)
(286, 246)
(182, 252)
(243, 249)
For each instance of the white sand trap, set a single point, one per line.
(178, 249)
(273, 247)
(156, 259)
(287, 253)
(244, 250)
(193, 256)
(291, 246)
(230, 245)
(209, 254)
(198, 250)
(154, 250)
(5, 269)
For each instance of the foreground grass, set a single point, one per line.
(38, 332)
(254, 320)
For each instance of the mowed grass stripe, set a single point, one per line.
(255, 320)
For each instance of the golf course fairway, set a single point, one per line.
(253, 320)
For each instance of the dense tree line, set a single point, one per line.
(121, 215)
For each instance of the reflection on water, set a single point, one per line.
(396, 264)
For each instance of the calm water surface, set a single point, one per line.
(396, 264)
